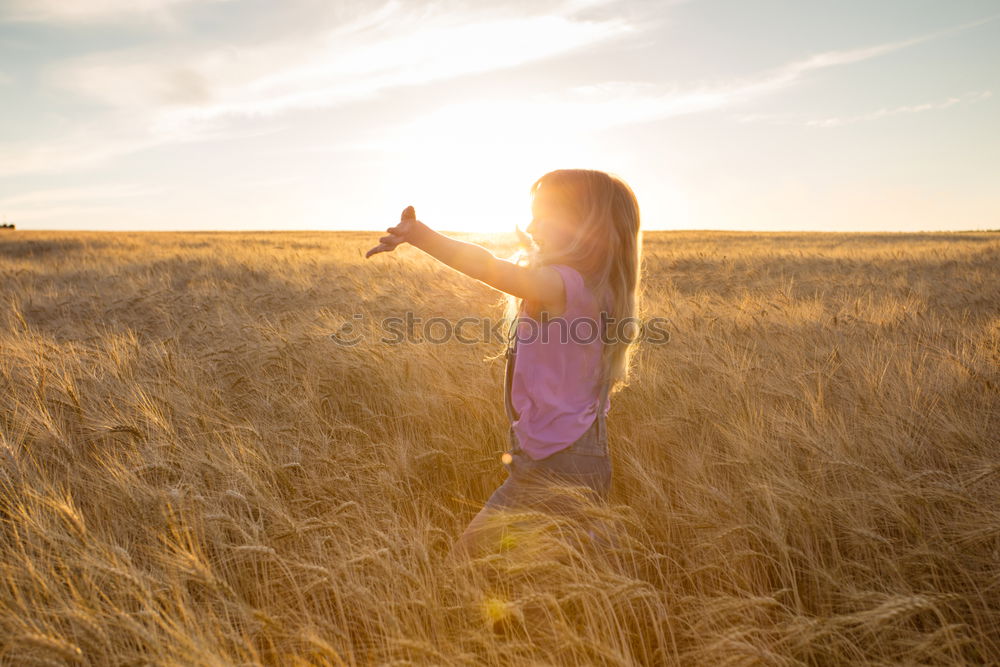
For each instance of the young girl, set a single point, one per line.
(564, 361)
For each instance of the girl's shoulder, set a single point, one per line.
(579, 299)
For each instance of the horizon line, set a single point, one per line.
(497, 233)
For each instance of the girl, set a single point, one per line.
(563, 363)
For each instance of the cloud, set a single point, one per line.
(838, 121)
(536, 119)
(908, 109)
(600, 106)
(99, 143)
(393, 47)
(387, 49)
(791, 73)
(162, 100)
(161, 95)
(431, 54)
(89, 11)
(69, 152)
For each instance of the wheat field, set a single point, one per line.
(193, 472)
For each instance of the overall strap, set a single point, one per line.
(602, 423)
(508, 379)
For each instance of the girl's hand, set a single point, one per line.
(401, 233)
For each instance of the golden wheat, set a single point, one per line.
(193, 472)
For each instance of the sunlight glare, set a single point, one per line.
(472, 172)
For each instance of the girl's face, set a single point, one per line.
(551, 227)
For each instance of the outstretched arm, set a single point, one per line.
(542, 285)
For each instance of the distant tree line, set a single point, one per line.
(6, 226)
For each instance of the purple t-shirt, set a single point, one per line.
(555, 388)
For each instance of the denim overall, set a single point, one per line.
(586, 462)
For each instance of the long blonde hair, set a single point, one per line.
(606, 249)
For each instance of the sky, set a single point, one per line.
(769, 115)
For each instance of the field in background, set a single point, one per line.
(193, 472)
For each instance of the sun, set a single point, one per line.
(470, 169)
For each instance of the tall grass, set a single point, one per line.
(193, 472)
